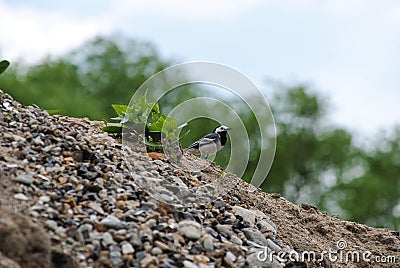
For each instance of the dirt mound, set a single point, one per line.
(72, 180)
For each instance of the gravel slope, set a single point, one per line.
(66, 176)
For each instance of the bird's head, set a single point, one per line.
(221, 129)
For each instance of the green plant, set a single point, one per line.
(157, 125)
(4, 65)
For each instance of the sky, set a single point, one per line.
(348, 50)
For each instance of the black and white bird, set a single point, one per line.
(210, 143)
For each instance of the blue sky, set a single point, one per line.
(348, 50)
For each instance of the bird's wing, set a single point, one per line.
(194, 145)
(213, 137)
(207, 139)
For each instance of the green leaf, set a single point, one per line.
(156, 108)
(112, 129)
(53, 112)
(158, 124)
(184, 134)
(170, 124)
(4, 65)
(120, 109)
(152, 143)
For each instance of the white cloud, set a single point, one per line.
(184, 9)
(31, 34)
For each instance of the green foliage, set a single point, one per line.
(84, 82)
(3, 66)
(112, 129)
(52, 112)
(156, 123)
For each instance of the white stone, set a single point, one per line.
(190, 229)
(247, 215)
(127, 249)
(21, 196)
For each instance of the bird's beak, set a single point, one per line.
(229, 128)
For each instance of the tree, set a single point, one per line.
(373, 196)
(87, 80)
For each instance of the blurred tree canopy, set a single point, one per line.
(87, 80)
(316, 162)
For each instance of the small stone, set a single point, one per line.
(236, 240)
(224, 230)
(21, 196)
(201, 259)
(189, 264)
(208, 243)
(148, 260)
(255, 236)
(85, 230)
(18, 138)
(115, 259)
(24, 178)
(96, 207)
(112, 222)
(151, 223)
(167, 198)
(273, 246)
(253, 260)
(264, 223)
(159, 162)
(229, 255)
(38, 141)
(190, 229)
(44, 199)
(140, 255)
(107, 239)
(127, 248)
(148, 205)
(162, 246)
(247, 215)
(51, 225)
(43, 177)
(156, 251)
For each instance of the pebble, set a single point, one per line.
(208, 243)
(116, 259)
(24, 178)
(107, 239)
(112, 222)
(247, 215)
(156, 251)
(254, 261)
(21, 196)
(96, 207)
(224, 230)
(44, 199)
(231, 256)
(273, 246)
(85, 230)
(148, 260)
(189, 264)
(127, 248)
(236, 240)
(190, 229)
(51, 224)
(255, 236)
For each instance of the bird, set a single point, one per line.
(210, 143)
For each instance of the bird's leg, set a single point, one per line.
(206, 156)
